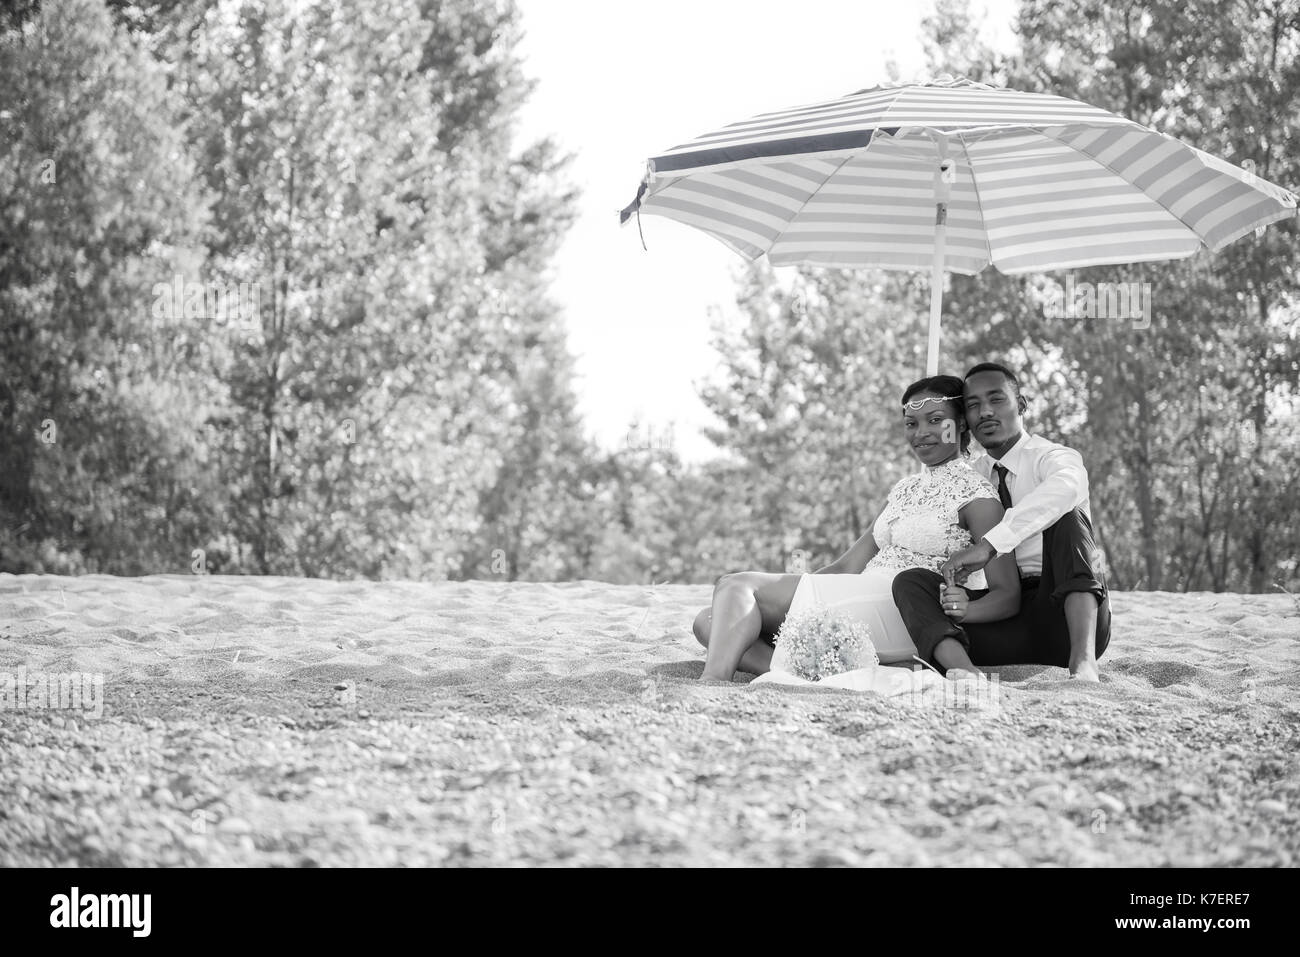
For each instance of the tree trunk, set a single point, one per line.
(1257, 463)
(1145, 484)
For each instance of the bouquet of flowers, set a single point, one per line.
(819, 642)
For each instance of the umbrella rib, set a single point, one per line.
(979, 205)
(1107, 166)
(832, 173)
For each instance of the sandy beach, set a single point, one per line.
(274, 721)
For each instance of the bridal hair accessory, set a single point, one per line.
(916, 404)
(820, 642)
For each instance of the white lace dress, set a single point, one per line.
(917, 529)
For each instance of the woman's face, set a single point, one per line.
(930, 428)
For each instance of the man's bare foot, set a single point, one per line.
(1086, 670)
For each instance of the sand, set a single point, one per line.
(275, 721)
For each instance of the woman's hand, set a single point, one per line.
(955, 600)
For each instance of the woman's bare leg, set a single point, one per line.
(742, 604)
(757, 659)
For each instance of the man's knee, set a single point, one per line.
(701, 626)
(1074, 530)
(913, 581)
(1077, 564)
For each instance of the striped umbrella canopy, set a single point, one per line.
(954, 175)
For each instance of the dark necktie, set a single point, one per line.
(1004, 493)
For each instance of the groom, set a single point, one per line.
(1064, 616)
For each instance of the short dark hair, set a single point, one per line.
(944, 385)
(996, 367)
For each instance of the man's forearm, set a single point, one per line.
(994, 606)
(1065, 488)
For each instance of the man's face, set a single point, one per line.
(992, 409)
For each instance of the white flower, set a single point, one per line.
(820, 642)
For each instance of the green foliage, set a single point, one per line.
(96, 194)
(397, 399)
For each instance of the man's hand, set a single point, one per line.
(954, 601)
(970, 559)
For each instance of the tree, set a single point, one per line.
(809, 406)
(104, 467)
(365, 178)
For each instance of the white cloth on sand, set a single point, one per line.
(881, 679)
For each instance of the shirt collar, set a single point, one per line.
(1011, 460)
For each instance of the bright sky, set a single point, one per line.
(619, 82)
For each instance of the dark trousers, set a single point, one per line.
(1037, 633)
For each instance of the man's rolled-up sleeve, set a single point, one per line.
(1063, 485)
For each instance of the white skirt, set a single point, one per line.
(869, 598)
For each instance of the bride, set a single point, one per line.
(927, 517)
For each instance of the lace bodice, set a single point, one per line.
(919, 526)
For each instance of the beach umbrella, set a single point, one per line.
(954, 175)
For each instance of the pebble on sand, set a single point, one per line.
(1110, 803)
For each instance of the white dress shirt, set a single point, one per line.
(1046, 480)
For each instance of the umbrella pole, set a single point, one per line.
(943, 177)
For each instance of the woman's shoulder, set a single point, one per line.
(908, 489)
(904, 485)
(971, 484)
